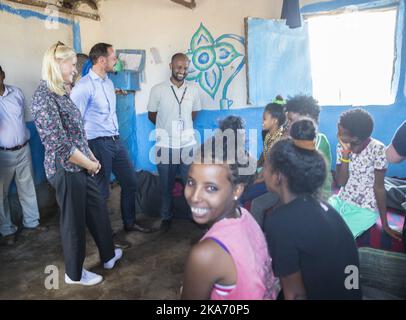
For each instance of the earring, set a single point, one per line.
(235, 198)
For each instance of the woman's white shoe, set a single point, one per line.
(118, 253)
(88, 278)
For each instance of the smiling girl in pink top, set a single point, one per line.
(231, 261)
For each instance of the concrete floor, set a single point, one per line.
(152, 268)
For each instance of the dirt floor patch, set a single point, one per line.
(152, 268)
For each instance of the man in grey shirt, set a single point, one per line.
(15, 162)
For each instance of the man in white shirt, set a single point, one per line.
(172, 107)
(15, 162)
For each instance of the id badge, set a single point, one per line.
(180, 124)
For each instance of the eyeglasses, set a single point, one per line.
(56, 47)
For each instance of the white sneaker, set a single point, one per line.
(118, 253)
(88, 278)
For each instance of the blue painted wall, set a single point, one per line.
(126, 119)
(205, 119)
(387, 119)
(37, 154)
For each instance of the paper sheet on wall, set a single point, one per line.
(130, 61)
(278, 60)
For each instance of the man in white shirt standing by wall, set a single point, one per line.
(172, 107)
(15, 162)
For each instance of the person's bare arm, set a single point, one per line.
(92, 157)
(343, 172)
(380, 195)
(78, 158)
(393, 156)
(205, 266)
(293, 287)
(259, 178)
(342, 169)
(152, 117)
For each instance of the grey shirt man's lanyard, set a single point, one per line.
(177, 99)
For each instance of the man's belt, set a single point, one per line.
(16, 147)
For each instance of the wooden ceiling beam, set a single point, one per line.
(44, 4)
(189, 4)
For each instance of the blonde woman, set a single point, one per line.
(70, 167)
